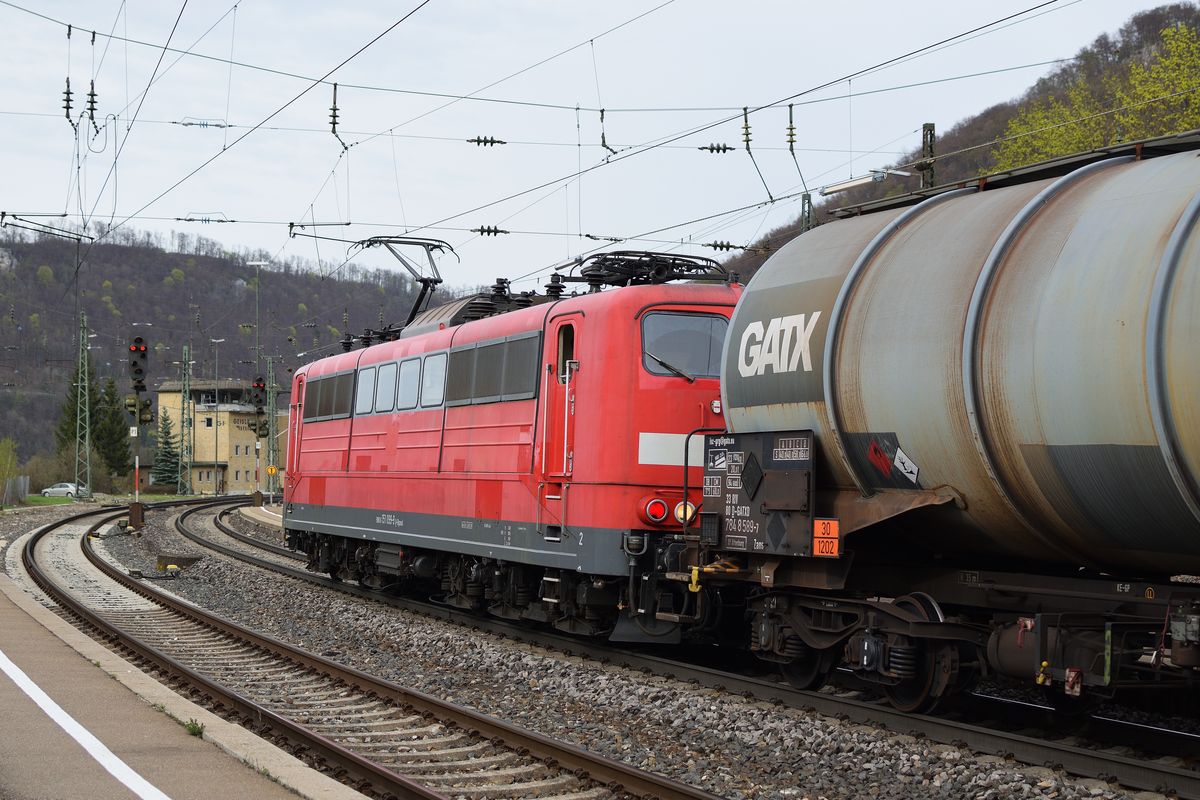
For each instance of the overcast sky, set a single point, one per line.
(659, 69)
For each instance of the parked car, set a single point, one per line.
(64, 490)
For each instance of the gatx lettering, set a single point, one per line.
(782, 345)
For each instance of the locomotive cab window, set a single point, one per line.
(684, 345)
(364, 400)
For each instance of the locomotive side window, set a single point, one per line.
(688, 343)
(433, 381)
(385, 388)
(328, 389)
(312, 397)
(410, 384)
(343, 394)
(521, 360)
(364, 400)
(458, 381)
(489, 372)
(566, 350)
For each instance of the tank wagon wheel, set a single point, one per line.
(935, 666)
(810, 671)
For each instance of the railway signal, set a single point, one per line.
(258, 394)
(145, 412)
(131, 404)
(137, 363)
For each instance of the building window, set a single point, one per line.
(208, 422)
(237, 449)
(237, 475)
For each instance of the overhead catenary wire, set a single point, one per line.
(229, 79)
(201, 124)
(160, 73)
(121, 146)
(269, 117)
(669, 145)
(474, 96)
(675, 137)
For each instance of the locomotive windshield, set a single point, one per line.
(685, 345)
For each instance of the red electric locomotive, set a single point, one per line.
(523, 452)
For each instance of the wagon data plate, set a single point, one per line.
(758, 493)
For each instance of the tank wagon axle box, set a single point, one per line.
(758, 496)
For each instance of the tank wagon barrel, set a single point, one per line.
(1020, 364)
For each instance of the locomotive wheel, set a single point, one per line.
(810, 671)
(916, 694)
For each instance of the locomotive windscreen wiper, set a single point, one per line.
(671, 367)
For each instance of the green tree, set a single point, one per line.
(110, 431)
(1054, 127)
(1163, 97)
(45, 275)
(64, 434)
(166, 454)
(1138, 102)
(8, 465)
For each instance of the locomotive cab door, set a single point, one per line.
(560, 369)
(295, 434)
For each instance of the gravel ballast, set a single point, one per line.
(727, 745)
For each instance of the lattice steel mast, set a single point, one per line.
(83, 417)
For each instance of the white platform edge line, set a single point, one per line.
(94, 747)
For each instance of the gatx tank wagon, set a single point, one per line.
(957, 433)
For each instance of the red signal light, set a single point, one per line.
(133, 348)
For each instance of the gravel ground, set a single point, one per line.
(732, 747)
(16, 522)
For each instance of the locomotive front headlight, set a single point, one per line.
(685, 512)
(657, 510)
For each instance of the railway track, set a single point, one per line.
(382, 738)
(1008, 732)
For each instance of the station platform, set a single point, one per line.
(266, 516)
(79, 721)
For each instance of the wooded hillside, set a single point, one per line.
(189, 291)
